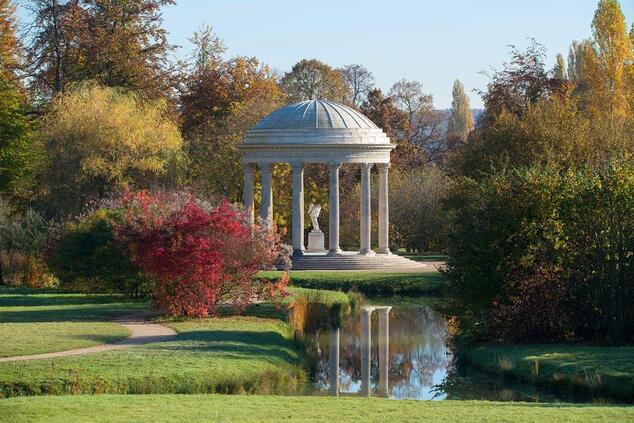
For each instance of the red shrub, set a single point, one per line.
(199, 256)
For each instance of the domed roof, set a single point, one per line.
(316, 131)
(315, 114)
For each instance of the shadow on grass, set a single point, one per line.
(72, 313)
(243, 345)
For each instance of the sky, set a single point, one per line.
(432, 41)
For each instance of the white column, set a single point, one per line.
(334, 361)
(384, 349)
(366, 349)
(384, 210)
(266, 205)
(298, 208)
(333, 213)
(366, 225)
(247, 196)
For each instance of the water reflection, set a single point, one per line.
(422, 363)
(419, 354)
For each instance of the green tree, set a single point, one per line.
(461, 118)
(108, 140)
(16, 151)
(312, 79)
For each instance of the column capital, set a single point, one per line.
(334, 166)
(248, 167)
(366, 166)
(383, 167)
(297, 166)
(265, 167)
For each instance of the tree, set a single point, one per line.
(608, 81)
(108, 140)
(383, 112)
(312, 79)
(9, 45)
(16, 152)
(522, 82)
(576, 61)
(425, 122)
(560, 67)
(461, 118)
(117, 43)
(220, 101)
(359, 81)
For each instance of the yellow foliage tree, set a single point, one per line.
(608, 72)
(102, 140)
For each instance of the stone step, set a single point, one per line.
(354, 261)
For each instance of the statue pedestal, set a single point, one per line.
(315, 242)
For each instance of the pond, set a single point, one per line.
(422, 365)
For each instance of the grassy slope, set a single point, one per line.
(33, 322)
(607, 370)
(220, 408)
(232, 354)
(369, 283)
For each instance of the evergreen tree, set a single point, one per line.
(560, 67)
(461, 119)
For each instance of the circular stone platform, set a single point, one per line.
(352, 260)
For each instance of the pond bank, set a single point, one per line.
(600, 373)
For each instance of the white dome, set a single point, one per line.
(315, 114)
(316, 131)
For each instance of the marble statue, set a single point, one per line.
(313, 212)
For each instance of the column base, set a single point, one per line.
(367, 252)
(336, 252)
(298, 253)
(385, 251)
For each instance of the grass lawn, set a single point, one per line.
(601, 370)
(222, 408)
(253, 353)
(231, 354)
(38, 321)
(368, 283)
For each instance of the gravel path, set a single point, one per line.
(143, 332)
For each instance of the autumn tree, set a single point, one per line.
(424, 121)
(560, 67)
(461, 118)
(9, 45)
(312, 79)
(118, 44)
(359, 81)
(576, 63)
(220, 101)
(102, 140)
(609, 81)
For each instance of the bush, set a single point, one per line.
(544, 254)
(85, 256)
(22, 239)
(200, 257)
